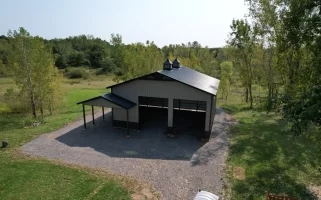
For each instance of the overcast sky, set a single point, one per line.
(162, 21)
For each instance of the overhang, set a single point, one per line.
(109, 100)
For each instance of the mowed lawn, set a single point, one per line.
(263, 157)
(23, 177)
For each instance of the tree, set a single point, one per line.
(118, 54)
(226, 75)
(3, 55)
(32, 69)
(243, 41)
(289, 34)
(301, 104)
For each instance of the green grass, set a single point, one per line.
(274, 160)
(38, 179)
(27, 178)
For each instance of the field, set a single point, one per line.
(263, 156)
(22, 177)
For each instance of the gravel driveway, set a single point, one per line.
(177, 167)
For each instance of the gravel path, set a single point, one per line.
(175, 167)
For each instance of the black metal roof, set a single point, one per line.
(193, 78)
(113, 98)
(187, 76)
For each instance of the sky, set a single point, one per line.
(162, 21)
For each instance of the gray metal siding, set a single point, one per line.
(161, 89)
(120, 114)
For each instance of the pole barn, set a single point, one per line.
(176, 90)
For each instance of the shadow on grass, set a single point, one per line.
(274, 160)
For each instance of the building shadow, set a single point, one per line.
(151, 142)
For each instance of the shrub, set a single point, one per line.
(79, 72)
(108, 66)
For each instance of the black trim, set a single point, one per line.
(93, 114)
(112, 109)
(84, 115)
(123, 124)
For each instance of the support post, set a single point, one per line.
(127, 124)
(103, 112)
(92, 112)
(84, 115)
(170, 116)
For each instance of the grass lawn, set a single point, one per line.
(264, 157)
(22, 177)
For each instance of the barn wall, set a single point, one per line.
(161, 89)
(120, 114)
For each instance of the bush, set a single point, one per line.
(108, 66)
(73, 73)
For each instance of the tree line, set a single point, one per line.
(278, 47)
(34, 63)
(124, 60)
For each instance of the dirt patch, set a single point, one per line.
(239, 173)
(95, 191)
(144, 194)
(316, 190)
(229, 117)
(137, 196)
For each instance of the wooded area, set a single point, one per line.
(276, 47)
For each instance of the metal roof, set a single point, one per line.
(113, 98)
(187, 76)
(193, 78)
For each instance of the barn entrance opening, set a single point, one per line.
(153, 112)
(189, 116)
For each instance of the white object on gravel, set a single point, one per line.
(203, 195)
